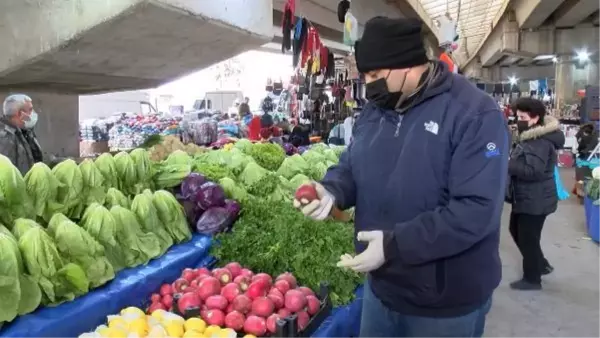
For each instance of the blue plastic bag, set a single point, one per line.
(563, 194)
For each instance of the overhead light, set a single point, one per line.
(513, 80)
(583, 55)
(555, 59)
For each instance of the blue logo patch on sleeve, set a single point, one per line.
(491, 150)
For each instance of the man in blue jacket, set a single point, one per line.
(426, 171)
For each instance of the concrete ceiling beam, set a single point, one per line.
(573, 12)
(533, 13)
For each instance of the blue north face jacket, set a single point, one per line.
(433, 179)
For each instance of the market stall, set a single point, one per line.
(130, 287)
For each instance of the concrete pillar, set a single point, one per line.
(58, 125)
(569, 79)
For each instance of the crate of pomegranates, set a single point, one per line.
(254, 304)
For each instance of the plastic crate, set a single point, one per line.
(592, 219)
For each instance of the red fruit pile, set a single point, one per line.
(237, 298)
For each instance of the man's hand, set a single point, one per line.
(370, 259)
(320, 208)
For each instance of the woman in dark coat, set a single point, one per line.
(587, 140)
(532, 189)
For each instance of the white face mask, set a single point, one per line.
(33, 118)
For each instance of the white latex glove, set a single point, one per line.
(320, 208)
(370, 259)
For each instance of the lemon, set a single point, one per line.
(139, 326)
(174, 329)
(192, 334)
(116, 333)
(103, 331)
(117, 322)
(212, 329)
(157, 331)
(132, 310)
(159, 314)
(226, 333)
(195, 324)
(249, 336)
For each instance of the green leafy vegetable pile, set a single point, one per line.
(273, 237)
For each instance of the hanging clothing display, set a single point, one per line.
(287, 24)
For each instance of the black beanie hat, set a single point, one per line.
(390, 44)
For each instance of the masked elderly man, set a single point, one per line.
(426, 171)
(17, 139)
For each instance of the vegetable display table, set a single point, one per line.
(344, 321)
(131, 287)
(592, 219)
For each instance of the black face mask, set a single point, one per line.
(378, 93)
(522, 126)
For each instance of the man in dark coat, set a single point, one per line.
(426, 171)
(532, 189)
(18, 141)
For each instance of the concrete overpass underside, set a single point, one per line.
(55, 50)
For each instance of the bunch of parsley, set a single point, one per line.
(273, 237)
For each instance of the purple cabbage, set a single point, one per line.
(191, 185)
(289, 149)
(214, 220)
(192, 210)
(233, 207)
(209, 196)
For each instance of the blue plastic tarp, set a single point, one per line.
(344, 321)
(131, 287)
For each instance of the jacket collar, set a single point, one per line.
(550, 125)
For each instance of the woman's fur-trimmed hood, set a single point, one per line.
(549, 130)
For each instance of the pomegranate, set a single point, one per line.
(167, 301)
(289, 278)
(213, 317)
(276, 299)
(306, 193)
(276, 291)
(166, 289)
(295, 300)
(155, 298)
(242, 281)
(242, 303)
(230, 291)
(235, 320)
(257, 289)
(303, 319)
(255, 325)
(180, 285)
(203, 272)
(263, 277)
(235, 268)
(188, 274)
(216, 302)
(209, 286)
(247, 273)
(262, 306)
(222, 275)
(284, 313)
(272, 323)
(188, 301)
(312, 305)
(306, 291)
(283, 286)
(155, 306)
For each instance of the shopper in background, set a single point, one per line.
(348, 125)
(17, 138)
(426, 172)
(587, 140)
(532, 188)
